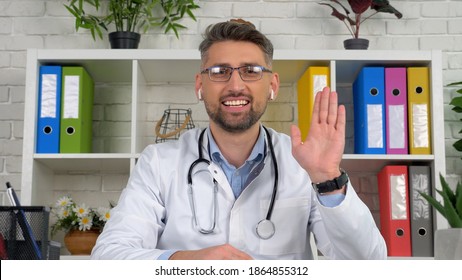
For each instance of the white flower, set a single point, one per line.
(63, 201)
(62, 213)
(103, 213)
(81, 210)
(85, 223)
(71, 216)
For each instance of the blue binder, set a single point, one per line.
(369, 111)
(49, 109)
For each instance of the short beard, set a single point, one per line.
(251, 118)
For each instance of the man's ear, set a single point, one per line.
(274, 86)
(198, 86)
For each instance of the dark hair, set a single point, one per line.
(235, 30)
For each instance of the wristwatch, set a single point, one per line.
(332, 185)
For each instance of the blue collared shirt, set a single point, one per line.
(240, 177)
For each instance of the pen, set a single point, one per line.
(12, 195)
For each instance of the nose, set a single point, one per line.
(235, 82)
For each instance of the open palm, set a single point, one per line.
(321, 152)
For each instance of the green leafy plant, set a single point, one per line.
(456, 102)
(451, 208)
(359, 7)
(131, 15)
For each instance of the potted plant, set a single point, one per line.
(81, 224)
(353, 21)
(129, 17)
(448, 242)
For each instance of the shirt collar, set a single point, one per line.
(258, 151)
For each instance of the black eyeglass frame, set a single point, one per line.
(262, 68)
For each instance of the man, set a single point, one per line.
(251, 193)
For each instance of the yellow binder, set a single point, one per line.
(312, 81)
(76, 110)
(419, 110)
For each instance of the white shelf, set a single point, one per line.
(138, 71)
(374, 163)
(85, 162)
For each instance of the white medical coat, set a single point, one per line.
(154, 213)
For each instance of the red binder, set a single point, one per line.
(395, 224)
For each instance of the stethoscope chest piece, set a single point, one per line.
(265, 229)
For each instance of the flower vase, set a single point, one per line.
(81, 242)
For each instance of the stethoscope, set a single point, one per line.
(265, 229)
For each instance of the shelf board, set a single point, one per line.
(374, 163)
(86, 163)
(96, 163)
(181, 66)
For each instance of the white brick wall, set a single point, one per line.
(298, 24)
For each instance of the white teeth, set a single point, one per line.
(236, 103)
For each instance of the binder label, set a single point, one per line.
(420, 125)
(319, 82)
(374, 126)
(396, 120)
(398, 197)
(420, 183)
(48, 101)
(71, 97)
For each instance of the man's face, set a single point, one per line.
(235, 105)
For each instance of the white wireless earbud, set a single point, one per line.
(272, 95)
(199, 94)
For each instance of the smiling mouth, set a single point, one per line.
(236, 103)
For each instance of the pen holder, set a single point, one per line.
(18, 225)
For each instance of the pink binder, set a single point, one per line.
(396, 110)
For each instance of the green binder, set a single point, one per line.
(76, 110)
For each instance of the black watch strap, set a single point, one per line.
(332, 185)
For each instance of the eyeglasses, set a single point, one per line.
(247, 72)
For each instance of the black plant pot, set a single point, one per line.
(124, 40)
(356, 44)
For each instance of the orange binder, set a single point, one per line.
(395, 224)
(419, 110)
(312, 81)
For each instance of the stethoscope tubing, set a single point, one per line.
(276, 175)
(265, 223)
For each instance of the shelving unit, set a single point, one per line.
(140, 71)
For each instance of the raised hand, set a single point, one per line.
(321, 152)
